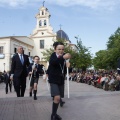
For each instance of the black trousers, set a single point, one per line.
(10, 86)
(118, 72)
(119, 86)
(20, 85)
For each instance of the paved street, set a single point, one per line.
(85, 103)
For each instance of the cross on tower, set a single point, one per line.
(43, 3)
(60, 26)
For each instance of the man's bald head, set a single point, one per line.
(20, 50)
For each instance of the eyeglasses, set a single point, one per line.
(60, 49)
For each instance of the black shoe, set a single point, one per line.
(61, 104)
(58, 117)
(35, 98)
(30, 94)
(53, 117)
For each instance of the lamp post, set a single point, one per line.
(4, 66)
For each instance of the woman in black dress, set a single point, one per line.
(57, 70)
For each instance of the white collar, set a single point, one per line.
(57, 55)
(20, 54)
(36, 64)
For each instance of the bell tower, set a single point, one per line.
(43, 35)
(43, 18)
(43, 22)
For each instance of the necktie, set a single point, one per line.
(59, 56)
(35, 65)
(21, 59)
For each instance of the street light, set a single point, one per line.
(4, 66)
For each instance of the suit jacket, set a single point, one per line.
(55, 69)
(39, 69)
(17, 68)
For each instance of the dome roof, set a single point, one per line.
(61, 34)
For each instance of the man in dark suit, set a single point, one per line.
(20, 62)
(8, 82)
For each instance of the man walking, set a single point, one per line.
(20, 62)
(8, 82)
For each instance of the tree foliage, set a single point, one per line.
(83, 57)
(107, 59)
(80, 58)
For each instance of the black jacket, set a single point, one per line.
(55, 69)
(7, 78)
(17, 68)
(39, 70)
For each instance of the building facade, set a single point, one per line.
(41, 38)
(8, 47)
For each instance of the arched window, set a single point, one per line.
(45, 23)
(40, 23)
(42, 12)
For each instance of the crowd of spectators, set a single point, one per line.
(106, 80)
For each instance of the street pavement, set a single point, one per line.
(85, 103)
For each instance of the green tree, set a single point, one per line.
(107, 59)
(114, 40)
(113, 46)
(100, 61)
(80, 59)
(83, 57)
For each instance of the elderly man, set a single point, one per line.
(20, 62)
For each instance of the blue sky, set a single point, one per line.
(92, 20)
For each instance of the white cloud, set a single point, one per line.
(95, 4)
(13, 3)
(109, 4)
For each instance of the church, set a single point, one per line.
(40, 39)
